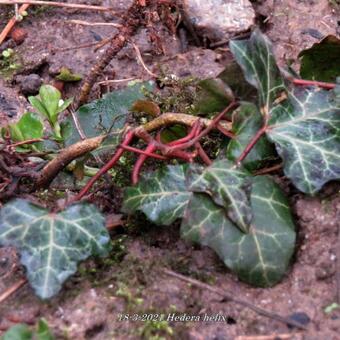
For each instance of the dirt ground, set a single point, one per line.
(130, 281)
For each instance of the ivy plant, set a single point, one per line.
(222, 202)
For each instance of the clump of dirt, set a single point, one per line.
(95, 302)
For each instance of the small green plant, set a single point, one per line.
(8, 63)
(155, 330)
(23, 332)
(49, 104)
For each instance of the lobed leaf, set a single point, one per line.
(228, 186)
(306, 132)
(51, 244)
(256, 58)
(105, 115)
(247, 120)
(259, 257)
(161, 195)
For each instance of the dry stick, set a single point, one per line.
(113, 81)
(268, 170)
(66, 156)
(140, 59)
(55, 4)
(131, 23)
(11, 290)
(231, 297)
(86, 23)
(11, 23)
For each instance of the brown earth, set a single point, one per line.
(130, 281)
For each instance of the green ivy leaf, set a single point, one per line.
(228, 186)
(321, 61)
(256, 58)
(306, 132)
(51, 244)
(213, 96)
(105, 115)
(161, 195)
(259, 257)
(18, 332)
(247, 120)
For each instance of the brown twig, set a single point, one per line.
(268, 170)
(231, 296)
(11, 23)
(86, 23)
(55, 4)
(140, 59)
(11, 290)
(131, 22)
(66, 156)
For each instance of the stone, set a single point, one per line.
(30, 84)
(220, 19)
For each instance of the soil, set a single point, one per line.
(130, 281)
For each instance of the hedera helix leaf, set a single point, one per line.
(105, 115)
(51, 244)
(259, 257)
(257, 61)
(306, 132)
(161, 195)
(228, 186)
(247, 120)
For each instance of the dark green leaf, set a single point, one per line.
(161, 195)
(173, 132)
(105, 115)
(247, 120)
(213, 96)
(321, 61)
(260, 257)
(256, 58)
(51, 244)
(18, 332)
(233, 76)
(306, 132)
(228, 186)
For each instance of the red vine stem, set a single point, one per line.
(140, 161)
(251, 144)
(212, 125)
(322, 84)
(128, 138)
(205, 158)
(154, 155)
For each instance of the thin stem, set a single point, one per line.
(211, 126)
(205, 158)
(154, 155)
(251, 144)
(140, 161)
(322, 84)
(127, 140)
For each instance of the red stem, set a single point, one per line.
(140, 161)
(205, 158)
(322, 84)
(189, 136)
(225, 131)
(251, 144)
(127, 140)
(213, 123)
(132, 149)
